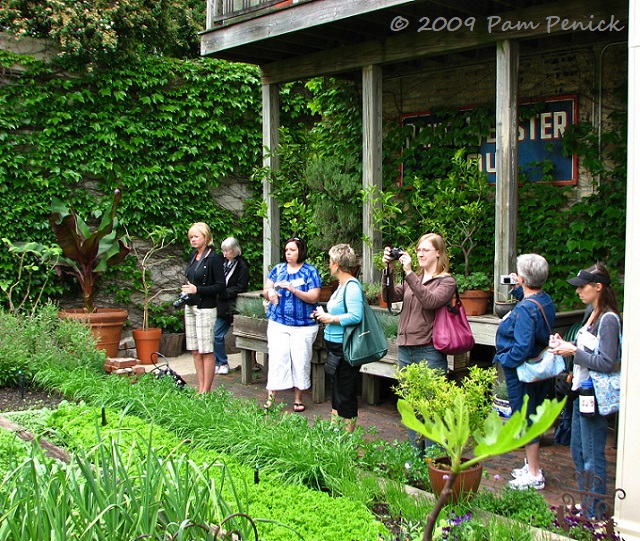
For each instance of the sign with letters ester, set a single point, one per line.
(539, 139)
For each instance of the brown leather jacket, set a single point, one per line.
(420, 302)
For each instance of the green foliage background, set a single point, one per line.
(168, 131)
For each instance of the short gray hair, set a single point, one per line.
(533, 269)
(230, 243)
(343, 255)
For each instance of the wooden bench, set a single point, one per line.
(386, 368)
(251, 338)
(484, 331)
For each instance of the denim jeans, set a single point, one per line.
(220, 330)
(435, 359)
(414, 354)
(588, 440)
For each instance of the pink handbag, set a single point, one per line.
(451, 332)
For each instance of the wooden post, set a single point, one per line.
(270, 142)
(371, 163)
(507, 57)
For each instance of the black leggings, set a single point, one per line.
(344, 398)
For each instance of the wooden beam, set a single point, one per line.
(507, 58)
(410, 44)
(287, 21)
(270, 142)
(371, 163)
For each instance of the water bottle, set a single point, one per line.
(587, 398)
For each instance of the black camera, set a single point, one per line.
(395, 253)
(181, 300)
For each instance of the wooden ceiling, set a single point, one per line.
(338, 36)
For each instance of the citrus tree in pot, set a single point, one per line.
(468, 434)
(86, 254)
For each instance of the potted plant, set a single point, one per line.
(86, 254)
(475, 292)
(427, 389)
(165, 317)
(372, 293)
(503, 306)
(468, 432)
(148, 338)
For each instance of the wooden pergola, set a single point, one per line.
(292, 40)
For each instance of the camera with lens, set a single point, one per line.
(395, 253)
(181, 300)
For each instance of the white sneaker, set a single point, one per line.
(223, 369)
(517, 472)
(217, 369)
(527, 480)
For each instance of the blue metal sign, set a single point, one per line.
(539, 141)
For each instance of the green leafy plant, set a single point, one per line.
(32, 257)
(164, 316)
(453, 431)
(86, 253)
(474, 280)
(426, 388)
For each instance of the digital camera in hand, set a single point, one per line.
(395, 253)
(181, 300)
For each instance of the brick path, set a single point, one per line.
(555, 459)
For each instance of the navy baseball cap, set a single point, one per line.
(585, 277)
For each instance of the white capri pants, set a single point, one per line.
(290, 350)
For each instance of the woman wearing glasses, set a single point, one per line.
(423, 291)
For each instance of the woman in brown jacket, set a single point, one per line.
(423, 291)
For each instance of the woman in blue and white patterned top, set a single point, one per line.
(293, 289)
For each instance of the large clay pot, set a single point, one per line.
(106, 325)
(147, 343)
(466, 484)
(475, 301)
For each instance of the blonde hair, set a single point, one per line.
(438, 243)
(204, 230)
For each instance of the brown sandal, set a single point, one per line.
(298, 407)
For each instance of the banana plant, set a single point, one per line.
(451, 430)
(86, 253)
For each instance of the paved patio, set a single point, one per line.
(556, 460)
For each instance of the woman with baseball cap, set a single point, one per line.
(597, 347)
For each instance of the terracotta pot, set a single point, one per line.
(466, 484)
(475, 301)
(147, 343)
(106, 325)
